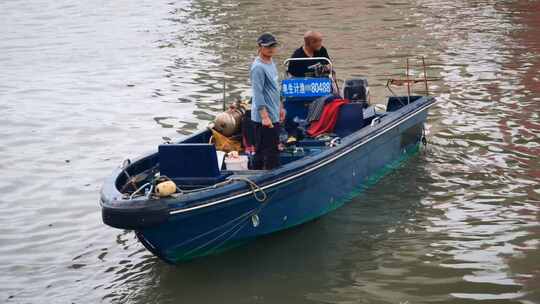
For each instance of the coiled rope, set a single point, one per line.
(254, 188)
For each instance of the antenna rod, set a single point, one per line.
(408, 83)
(224, 95)
(425, 75)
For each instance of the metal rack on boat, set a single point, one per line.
(410, 82)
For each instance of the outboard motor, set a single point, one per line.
(356, 90)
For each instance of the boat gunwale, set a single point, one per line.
(319, 160)
(268, 179)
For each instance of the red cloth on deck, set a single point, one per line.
(328, 119)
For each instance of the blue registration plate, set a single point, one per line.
(306, 87)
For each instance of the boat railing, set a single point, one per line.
(286, 61)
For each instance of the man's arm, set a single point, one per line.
(282, 112)
(257, 84)
(324, 53)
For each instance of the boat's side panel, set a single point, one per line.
(209, 230)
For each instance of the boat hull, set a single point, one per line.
(188, 234)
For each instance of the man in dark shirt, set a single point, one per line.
(312, 48)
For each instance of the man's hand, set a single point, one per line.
(282, 114)
(327, 68)
(267, 122)
(265, 118)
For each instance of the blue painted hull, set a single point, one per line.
(318, 187)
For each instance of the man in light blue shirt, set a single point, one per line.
(266, 108)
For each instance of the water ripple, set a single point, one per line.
(84, 85)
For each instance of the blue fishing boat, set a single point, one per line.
(212, 208)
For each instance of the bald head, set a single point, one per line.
(312, 35)
(313, 40)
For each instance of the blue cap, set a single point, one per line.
(266, 40)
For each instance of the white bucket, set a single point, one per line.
(237, 163)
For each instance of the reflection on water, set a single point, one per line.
(85, 84)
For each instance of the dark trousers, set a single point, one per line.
(266, 147)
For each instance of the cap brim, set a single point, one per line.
(269, 44)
